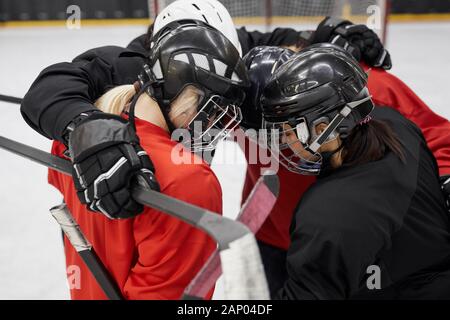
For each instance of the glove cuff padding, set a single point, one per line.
(327, 28)
(445, 184)
(443, 179)
(107, 162)
(98, 132)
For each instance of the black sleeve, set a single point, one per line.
(278, 37)
(64, 90)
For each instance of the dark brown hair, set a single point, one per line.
(370, 142)
(148, 37)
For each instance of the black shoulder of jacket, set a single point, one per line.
(108, 54)
(64, 90)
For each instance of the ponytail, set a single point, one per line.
(370, 142)
(115, 100)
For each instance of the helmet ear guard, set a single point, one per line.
(361, 108)
(147, 77)
(353, 112)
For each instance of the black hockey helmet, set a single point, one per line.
(261, 62)
(190, 52)
(322, 83)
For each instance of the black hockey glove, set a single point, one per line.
(107, 160)
(445, 185)
(357, 39)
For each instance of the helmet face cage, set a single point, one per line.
(274, 136)
(215, 119)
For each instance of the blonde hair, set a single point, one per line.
(115, 100)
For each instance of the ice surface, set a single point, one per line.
(31, 254)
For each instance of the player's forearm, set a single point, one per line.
(56, 97)
(63, 91)
(282, 37)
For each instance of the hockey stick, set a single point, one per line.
(10, 99)
(87, 253)
(243, 271)
(253, 213)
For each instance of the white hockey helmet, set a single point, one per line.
(211, 12)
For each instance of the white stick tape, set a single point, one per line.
(70, 227)
(243, 271)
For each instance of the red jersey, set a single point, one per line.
(154, 255)
(386, 90)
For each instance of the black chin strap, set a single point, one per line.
(131, 113)
(164, 110)
(147, 79)
(131, 117)
(326, 167)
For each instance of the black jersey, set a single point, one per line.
(386, 214)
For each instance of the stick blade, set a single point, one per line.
(253, 213)
(272, 182)
(243, 271)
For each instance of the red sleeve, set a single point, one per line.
(388, 90)
(169, 251)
